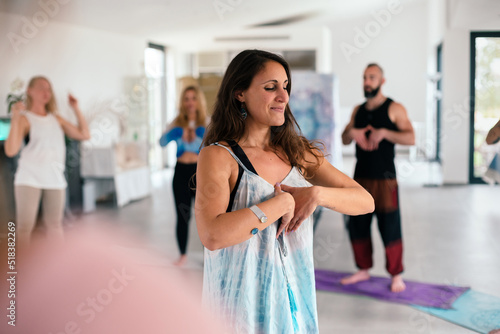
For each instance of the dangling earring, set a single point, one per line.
(243, 111)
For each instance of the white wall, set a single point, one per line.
(90, 64)
(455, 105)
(400, 47)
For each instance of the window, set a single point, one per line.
(154, 62)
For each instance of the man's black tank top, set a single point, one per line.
(378, 164)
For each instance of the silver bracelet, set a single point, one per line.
(259, 213)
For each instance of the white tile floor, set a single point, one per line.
(451, 236)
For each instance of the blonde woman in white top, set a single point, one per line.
(40, 172)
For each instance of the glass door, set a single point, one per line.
(485, 94)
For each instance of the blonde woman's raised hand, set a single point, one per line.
(73, 102)
(17, 108)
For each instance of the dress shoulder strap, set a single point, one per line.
(238, 151)
(239, 155)
(241, 169)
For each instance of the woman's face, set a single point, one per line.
(40, 92)
(190, 104)
(267, 97)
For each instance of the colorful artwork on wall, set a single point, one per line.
(314, 104)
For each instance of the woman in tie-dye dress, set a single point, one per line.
(258, 182)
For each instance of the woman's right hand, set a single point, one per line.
(290, 208)
(17, 108)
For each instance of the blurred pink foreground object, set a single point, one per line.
(84, 286)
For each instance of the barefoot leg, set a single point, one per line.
(397, 284)
(361, 275)
(181, 261)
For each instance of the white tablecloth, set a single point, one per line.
(132, 184)
(109, 169)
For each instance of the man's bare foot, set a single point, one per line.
(361, 275)
(397, 284)
(181, 261)
(495, 331)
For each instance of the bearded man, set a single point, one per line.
(376, 126)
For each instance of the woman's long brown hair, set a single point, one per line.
(227, 124)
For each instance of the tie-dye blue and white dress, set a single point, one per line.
(263, 285)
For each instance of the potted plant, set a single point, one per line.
(16, 93)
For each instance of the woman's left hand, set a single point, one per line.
(305, 204)
(73, 102)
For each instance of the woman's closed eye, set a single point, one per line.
(271, 88)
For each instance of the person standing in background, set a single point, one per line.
(493, 136)
(492, 173)
(376, 126)
(40, 172)
(187, 131)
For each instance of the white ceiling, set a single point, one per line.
(165, 18)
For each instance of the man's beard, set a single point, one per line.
(372, 93)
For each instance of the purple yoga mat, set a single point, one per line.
(423, 294)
